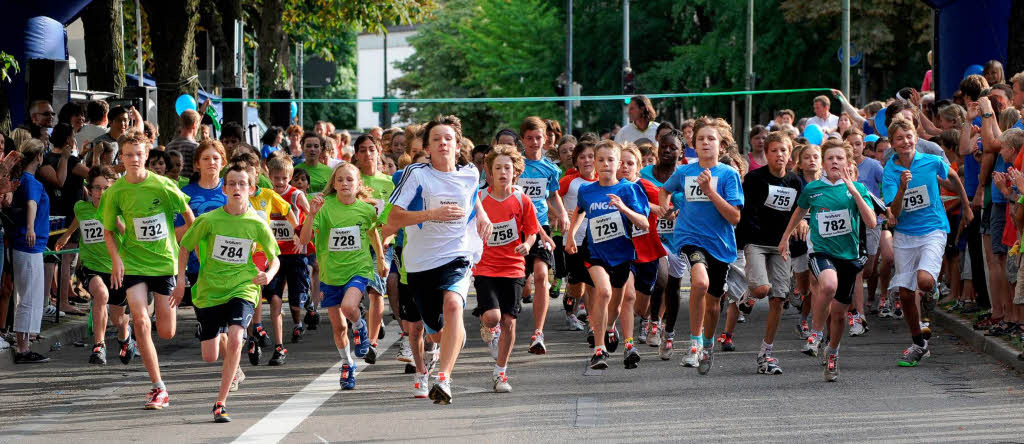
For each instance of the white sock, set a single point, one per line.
(499, 370)
(600, 348)
(346, 355)
(766, 349)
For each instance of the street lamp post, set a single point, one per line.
(625, 54)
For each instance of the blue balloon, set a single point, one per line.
(871, 138)
(974, 69)
(294, 109)
(185, 102)
(880, 124)
(813, 134)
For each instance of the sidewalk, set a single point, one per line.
(996, 347)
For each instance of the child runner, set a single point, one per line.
(145, 259)
(614, 209)
(95, 269)
(837, 205)
(578, 279)
(704, 231)
(228, 285)
(501, 273)
(808, 168)
(300, 180)
(912, 193)
(344, 226)
(444, 224)
(771, 192)
(294, 266)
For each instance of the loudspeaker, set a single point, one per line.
(145, 101)
(48, 80)
(234, 111)
(281, 113)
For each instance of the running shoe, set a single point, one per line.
(665, 349)
(599, 360)
(348, 377)
(574, 323)
(312, 319)
(926, 329)
(767, 365)
(235, 381)
(741, 319)
(654, 337)
(884, 308)
(255, 353)
(568, 304)
(371, 354)
(803, 330)
(611, 340)
(692, 358)
(726, 342)
(630, 357)
(419, 387)
(913, 355)
(297, 333)
(645, 327)
(99, 355)
(526, 300)
(537, 344)
(410, 369)
(380, 331)
(157, 399)
(857, 326)
(263, 337)
(361, 339)
(220, 413)
(555, 291)
(795, 300)
(864, 322)
(590, 337)
(279, 356)
(128, 350)
(30, 357)
(4, 345)
(811, 346)
(486, 334)
(957, 306)
(501, 384)
(746, 304)
(832, 368)
(707, 358)
(582, 312)
(441, 392)
(897, 310)
(494, 343)
(404, 350)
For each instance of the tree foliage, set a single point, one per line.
(484, 48)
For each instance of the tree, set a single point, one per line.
(485, 48)
(101, 22)
(172, 28)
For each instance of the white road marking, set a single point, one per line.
(277, 424)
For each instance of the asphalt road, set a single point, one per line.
(956, 395)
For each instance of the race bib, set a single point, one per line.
(666, 226)
(503, 233)
(533, 187)
(92, 231)
(637, 231)
(344, 239)
(606, 227)
(438, 202)
(834, 223)
(149, 229)
(916, 198)
(231, 250)
(780, 198)
(693, 192)
(282, 230)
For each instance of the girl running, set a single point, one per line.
(808, 169)
(343, 223)
(614, 209)
(577, 277)
(837, 205)
(704, 231)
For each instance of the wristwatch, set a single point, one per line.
(987, 115)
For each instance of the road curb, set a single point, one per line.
(994, 347)
(68, 331)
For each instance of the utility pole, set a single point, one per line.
(845, 75)
(625, 55)
(568, 68)
(748, 101)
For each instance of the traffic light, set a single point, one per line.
(628, 81)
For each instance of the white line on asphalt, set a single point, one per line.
(276, 425)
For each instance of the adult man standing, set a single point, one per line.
(828, 122)
(641, 122)
(42, 118)
(186, 143)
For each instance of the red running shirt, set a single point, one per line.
(513, 218)
(647, 243)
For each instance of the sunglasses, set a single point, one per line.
(48, 114)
